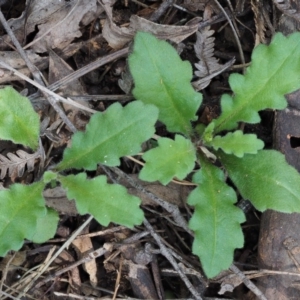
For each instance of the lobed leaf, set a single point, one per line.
(117, 132)
(49, 176)
(21, 207)
(106, 202)
(46, 226)
(237, 143)
(163, 79)
(172, 158)
(19, 122)
(266, 179)
(274, 72)
(216, 220)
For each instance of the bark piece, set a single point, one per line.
(279, 241)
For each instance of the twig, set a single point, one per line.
(50, 29)
(8, 295)
(5, 271)
(84, 70)
(90, 256)
(32, 68)
(65, 245)
(234, 32)
(169, 257)
(161, 10)
(47, 91)
(172, 209)
(249, 284)
(35, 73)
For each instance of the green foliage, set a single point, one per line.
(163, 87)
(237, 143)
(18, 121)
(215, 219)
(21, 206)
(106, 202)
(172, 158)
(266, 179)
(45, 226)
(111, 135)
(274, 72)
(169, 78)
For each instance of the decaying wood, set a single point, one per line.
(276, 252)
(279, 242)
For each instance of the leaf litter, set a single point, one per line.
(62, 36)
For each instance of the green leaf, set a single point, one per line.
(274, 72)
(237, 143)
(266, 179)
(48, 176)
(19, 122)
(208, 132)
(106, 202)
(216, 221)
(170, 159)
(46, 227)
(117, 132)
(21, 207)
(163, 79)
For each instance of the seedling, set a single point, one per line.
(164, 92)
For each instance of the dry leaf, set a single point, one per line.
(117, 36)
(58, 69)
(68, 21)
(66, 258)
(208, 66)
(288, 8)
(82, 247)
(58, 22)
(56, 198)
(15, 163)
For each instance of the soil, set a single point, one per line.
(136, 268)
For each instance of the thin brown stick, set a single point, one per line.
(90, 256)
(169, 257)
(249, 284)
(84, 70)
(35, 73)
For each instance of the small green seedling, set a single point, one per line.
(164, 92)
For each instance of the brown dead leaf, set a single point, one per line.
(117, 36)
(82, 246)
(14, 59)
(58, 22)
(16, 261)
(36, 12)
(68, 19)
(57, 199)
(58, 69)
(228, 280)
(66, 258)
(172, 193)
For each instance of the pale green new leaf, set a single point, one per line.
(237, 143)
(216, 220)
(106, 202)
(274, 72)
(208, 133)
(172, 158)
(49, 176)
(19, 122)
(21, 207)
(163, 79)
(117, 132)
(46, 227)
(266, 179)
